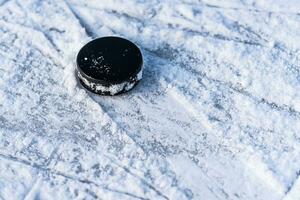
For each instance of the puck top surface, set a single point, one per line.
(109, 60)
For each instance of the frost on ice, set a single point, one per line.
(217, 115)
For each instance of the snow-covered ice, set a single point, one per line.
(216, 116)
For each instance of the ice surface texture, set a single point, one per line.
(216, 116)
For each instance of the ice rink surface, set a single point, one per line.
(216, 116)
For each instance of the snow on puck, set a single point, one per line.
(109, 65)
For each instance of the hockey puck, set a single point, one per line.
(109, 65)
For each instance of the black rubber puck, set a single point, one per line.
(109, 65)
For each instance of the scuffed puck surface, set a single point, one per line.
(109, 65)
(216, 116)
